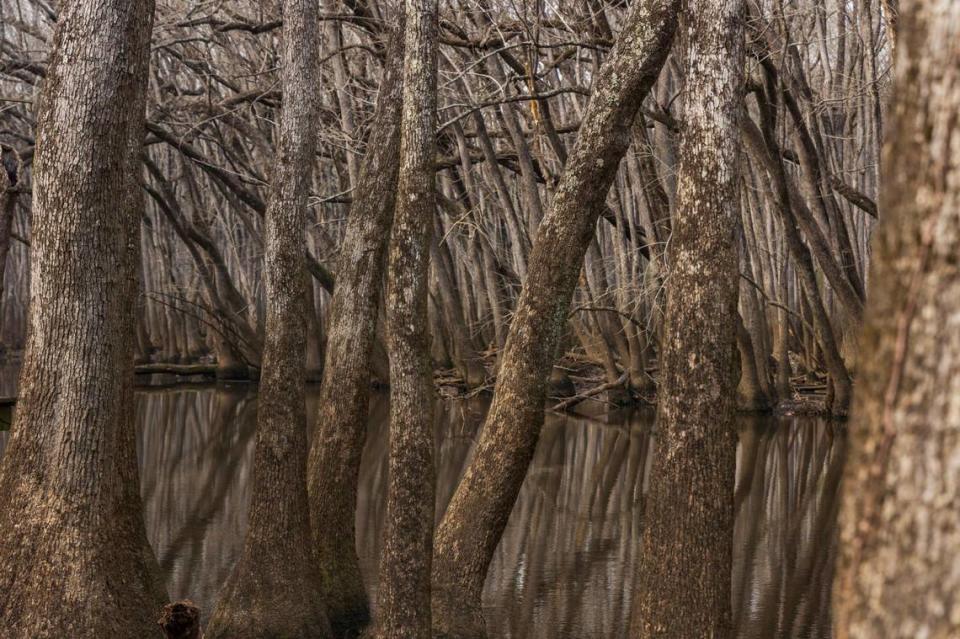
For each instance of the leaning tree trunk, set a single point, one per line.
(898, 573)
(274, 590)
(74, 558)
(683, 578)
(471, 529)
(341, 426)
(403, 598)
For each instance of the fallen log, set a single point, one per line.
(596, 390)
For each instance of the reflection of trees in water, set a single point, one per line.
(787, 503)
(195, 450)
(565, 565)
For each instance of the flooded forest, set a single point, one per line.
(480, 319)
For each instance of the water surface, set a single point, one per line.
(565, 565)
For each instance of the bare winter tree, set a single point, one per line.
(274, 590)
(334, 462)
(74, 559)
(683, 577)
(403, 598)
(474, 521)
(899, 535)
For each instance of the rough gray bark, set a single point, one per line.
(403, 598)
(274, 589)
(334, 462)
(899, 534)
(683, 577)
(478, 511)
(74, 559)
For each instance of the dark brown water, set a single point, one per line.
(565, 565)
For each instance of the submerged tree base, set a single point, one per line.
(270, 603)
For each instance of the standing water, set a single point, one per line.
(564, 568)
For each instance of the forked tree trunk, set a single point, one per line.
(683, 577)
(274, 589)
(403, 598)
(74, 558)
(341, 427)
(899, 536)
(478, 511)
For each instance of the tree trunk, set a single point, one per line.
(683, 578)
(471, 529)
(751, 395)
(341, 427)
(897, 576)
(403, 598)
(74, 558)
(9, 169)
(274, 589)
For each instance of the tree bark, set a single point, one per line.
(403, 599)
(274, 589)
(899, 537)
(471, 529)
(74, 558)
(334, 462)
(683, 579)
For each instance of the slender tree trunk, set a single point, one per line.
(683, 579)
(403, 599)
(274, 589)
(899, 533)
(334, 463)
(9, 169)
(74, 559)
(478, 512)
(751, 395)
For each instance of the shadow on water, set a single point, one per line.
(565, 565)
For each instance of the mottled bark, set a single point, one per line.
(274, 589)
(334, 461)
(899, 534)
(478, 512)
(683, 586)
(74, 559)
(403, 598)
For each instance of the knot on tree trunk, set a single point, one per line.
(180, 620)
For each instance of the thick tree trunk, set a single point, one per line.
(899, 534)
(334, 463)
(403, 598)
(274, 589)
(478, 511)
(683, 577)
(74, 559)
